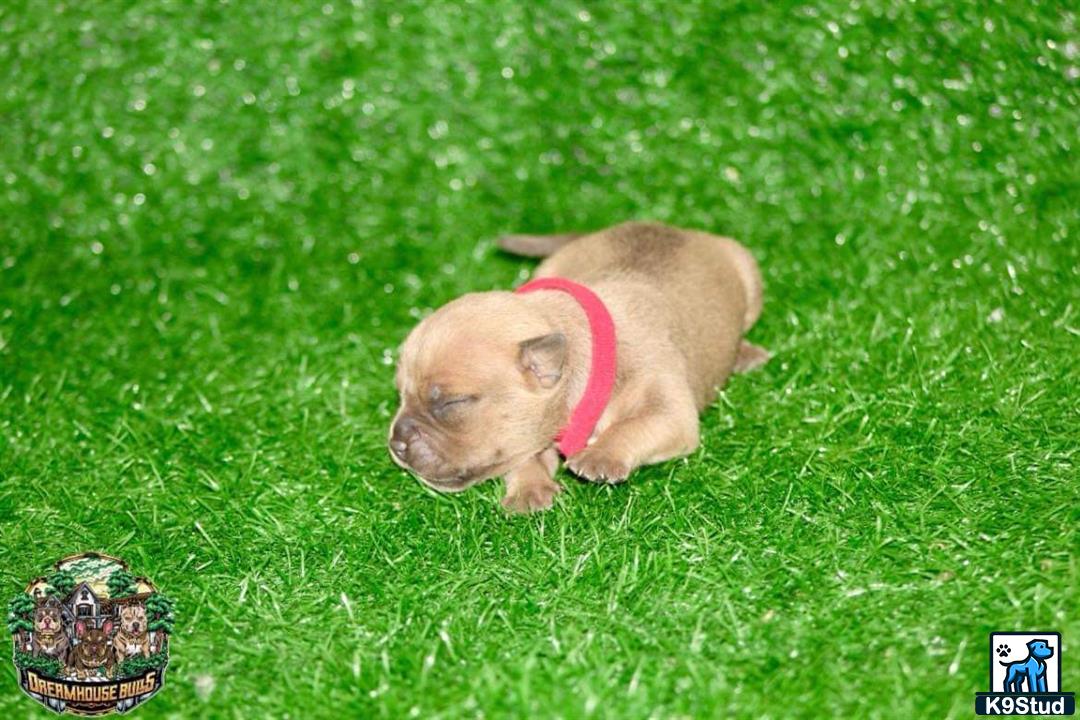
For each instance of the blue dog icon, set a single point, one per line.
(1032, 669)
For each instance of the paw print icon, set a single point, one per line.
(1002, 650)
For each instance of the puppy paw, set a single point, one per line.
(531, 498)
(750, 357)
(596, 465)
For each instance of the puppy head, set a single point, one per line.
(133, 619)
(47, 619)
(480, 381)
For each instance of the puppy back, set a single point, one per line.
(653, 250)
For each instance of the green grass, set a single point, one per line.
(218, 221)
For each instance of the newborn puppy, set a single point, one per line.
(502, 383)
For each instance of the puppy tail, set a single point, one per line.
(535, 245)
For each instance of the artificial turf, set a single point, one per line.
(219, 220)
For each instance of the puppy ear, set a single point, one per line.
(543, 356)
(107, 627)
(80, 629)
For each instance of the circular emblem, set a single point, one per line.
(90, 637)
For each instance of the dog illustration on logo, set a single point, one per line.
(1031, 669)
(92, 657)
(50, 639)
(133, 637)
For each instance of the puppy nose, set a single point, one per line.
(404, 432)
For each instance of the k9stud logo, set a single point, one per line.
(1025, 676)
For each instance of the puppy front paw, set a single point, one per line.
(532, 497)
(596, 465)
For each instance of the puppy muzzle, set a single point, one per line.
(412, 450)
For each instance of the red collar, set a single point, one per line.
(575, 435)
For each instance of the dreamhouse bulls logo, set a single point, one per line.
(91, 638)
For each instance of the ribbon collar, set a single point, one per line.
(574, 436)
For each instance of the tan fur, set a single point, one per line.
(516, 364)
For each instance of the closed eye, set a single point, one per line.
(444, 406)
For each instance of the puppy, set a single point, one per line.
(132, 638)
(92, 657)
(489, 380)
(49, 637)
